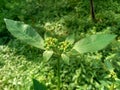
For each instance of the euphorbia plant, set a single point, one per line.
(62, 49)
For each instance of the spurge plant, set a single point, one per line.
(52, 45)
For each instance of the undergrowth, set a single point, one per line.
(19, 63)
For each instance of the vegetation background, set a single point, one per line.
(19, 63)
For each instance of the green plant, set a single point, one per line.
(38, 86)
(51, 45)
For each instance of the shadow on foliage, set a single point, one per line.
(21, 49)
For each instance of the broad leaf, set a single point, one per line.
(47, 55)
(70, 39)
(73, 52)
(65, 58)
(93, 43)
(25, 33)
(38, 86)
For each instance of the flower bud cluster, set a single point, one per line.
(64, 46)
(56, 28)
(52, 43)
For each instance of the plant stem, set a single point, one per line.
(58, 73)
(92, 11)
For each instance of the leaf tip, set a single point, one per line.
(5, 19)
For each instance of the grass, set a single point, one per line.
(19, 63)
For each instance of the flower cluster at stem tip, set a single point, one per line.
(52, 43)
(64, 46)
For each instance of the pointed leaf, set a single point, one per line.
(73, 52)
(93, 43)
(65, 58)
(47, 55)
(38, 86)
(71, 39)
(108, 65)
(25, 33)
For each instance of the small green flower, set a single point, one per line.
(64, 46)
(49, 27)
(50, 43)
(113, 75)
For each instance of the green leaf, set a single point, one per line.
(25, 33)
(47, 55)
(112, 87)
(70, 39)
(65, 58)
(38, 86)
(93, 43)
(46, 35)
(73, 52)
(108, 65)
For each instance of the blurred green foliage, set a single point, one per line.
(92, 71)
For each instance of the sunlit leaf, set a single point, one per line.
(108, 65)
(112, 87)
(47, 55)
(71, 39)
(73, 52)
(46, 35)
(93, 43)
(25, 33)
(65, 58)
(38, 86)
